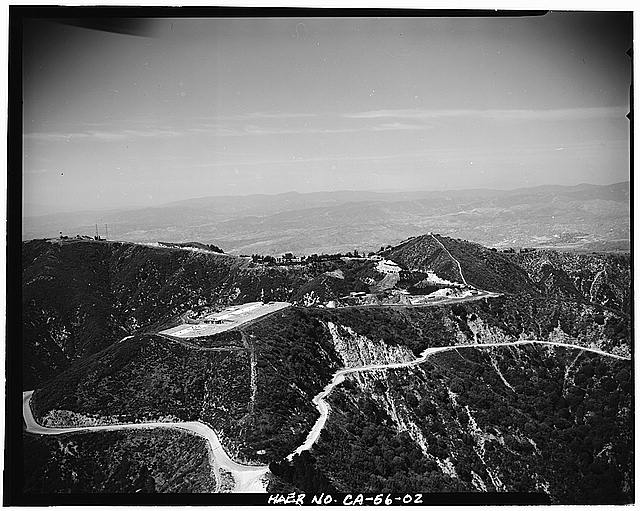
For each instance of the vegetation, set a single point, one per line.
(553, 420)
(265, 418)
(481, 267)
(301, 472)
(602, 278)
(529, 418)
(149, 378)
(488, 270)
(163, 461)
(295, 359)
(79, 298)
(552, 318)
(421, 254)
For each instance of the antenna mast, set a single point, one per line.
(97, 231)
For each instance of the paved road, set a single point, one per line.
(247, 478)
(323, 407)
(444, 301)
(251, 478)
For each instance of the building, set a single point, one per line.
(387, 266)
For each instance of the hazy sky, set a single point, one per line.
(200, 107)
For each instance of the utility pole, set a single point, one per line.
(106, 232)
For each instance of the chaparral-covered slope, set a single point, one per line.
(462, 261)
(146, 461)
(80, 297)
(603, 278)
(255, 385)
(527, 418)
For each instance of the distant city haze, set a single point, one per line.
(185, 108)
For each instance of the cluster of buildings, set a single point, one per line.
(515, 250)
(81, 237)
(290, 258)
(97, 237)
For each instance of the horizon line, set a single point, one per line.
(295, 192)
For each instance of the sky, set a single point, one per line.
(185, 108)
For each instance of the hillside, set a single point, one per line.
(80, 297)
(508, 419)
(389, 430)
(256, 391)
(481, 267)
(149, 378)
(603, 278)
(117, 462)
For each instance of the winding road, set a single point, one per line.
(248, 478)
(251, 478)
(323, 407)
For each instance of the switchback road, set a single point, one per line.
(247, 478)
(323, 407)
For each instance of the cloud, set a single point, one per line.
(317, 130)
(258, 115)
(390, 126)
(256, 124)
(102, 134)
(496, 114)
(275, 123)
(298, 160)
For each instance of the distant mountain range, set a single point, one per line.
(590, 217)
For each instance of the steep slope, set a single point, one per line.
(145, 379)
(486, 269)
(258, 399)
(256, 389)
(463, 262)
(505, 318)
(532, 419)
(461, 422)
(80, 297)
(424, 253)
(160, 461)
(603, 278)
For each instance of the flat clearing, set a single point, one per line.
(229, 318)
